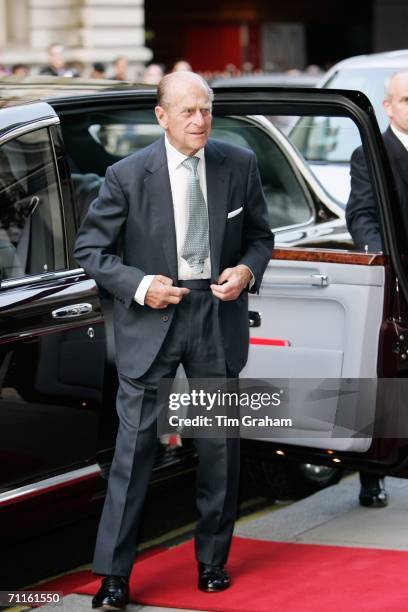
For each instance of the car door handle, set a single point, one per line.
(71, 311)
(254, 318)
(312, 280)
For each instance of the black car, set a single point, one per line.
(323, 313)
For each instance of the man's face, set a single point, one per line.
(186, 116)
(56, 58)
(396, 106)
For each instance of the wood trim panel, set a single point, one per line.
(332, 256)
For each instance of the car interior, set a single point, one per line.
(99, 139)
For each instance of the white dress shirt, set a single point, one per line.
(178, 183)
(402, 137)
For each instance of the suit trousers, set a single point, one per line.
(194, 341)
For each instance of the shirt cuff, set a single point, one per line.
(252, 281)
(142, 289)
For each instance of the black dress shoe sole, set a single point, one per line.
(108, 607)
(213, 589)
(374, 503)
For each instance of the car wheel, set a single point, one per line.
(318, 477)
(284, 480)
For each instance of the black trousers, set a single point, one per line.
(194, 341)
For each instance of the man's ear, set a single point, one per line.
(387, 108)
(161, 116)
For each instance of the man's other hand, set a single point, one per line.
(161, 293)
(231, 283)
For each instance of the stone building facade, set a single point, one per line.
(90, 30)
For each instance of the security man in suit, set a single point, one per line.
(362, 214)
(192, 219)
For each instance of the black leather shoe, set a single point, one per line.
(374, 495)
(113, 594)
(212, 578)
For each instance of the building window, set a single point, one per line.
(14, 17)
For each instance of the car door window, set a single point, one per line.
(287, 202)
(31, 225)
(102, 138)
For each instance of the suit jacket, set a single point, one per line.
(135, 207)
(361, 211)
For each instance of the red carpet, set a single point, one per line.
(74, 581)
(272, 576)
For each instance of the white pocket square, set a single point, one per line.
(235, 212)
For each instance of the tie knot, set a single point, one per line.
(191, 163)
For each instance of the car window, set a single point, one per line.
(311, 134)
(31, 228)
(287, 202)
(100, 139)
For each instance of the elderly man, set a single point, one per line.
(362, 213)
(193, 222)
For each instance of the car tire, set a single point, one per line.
(288, 481)
(317, 477)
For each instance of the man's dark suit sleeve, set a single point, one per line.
(97, 242)
(361, 211)
(258, 238)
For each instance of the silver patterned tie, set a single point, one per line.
(196, 244)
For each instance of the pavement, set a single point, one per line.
(330, 517)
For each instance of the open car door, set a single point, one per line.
(334, 315)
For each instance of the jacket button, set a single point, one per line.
(165, 318)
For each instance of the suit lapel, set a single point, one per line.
(397, 153)
(157, 183)
(218, 178)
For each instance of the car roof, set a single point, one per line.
(21, 90)
(388, 59)
(277, 79)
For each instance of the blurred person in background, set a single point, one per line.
(152, 74)
(20, 70)
(98, 71)
(182, 65)
(120, 67)
(74, 68)
(314, 70)
(55, 61)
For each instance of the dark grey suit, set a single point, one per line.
(209, 337)
(361, 211)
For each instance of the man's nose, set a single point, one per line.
(198, 118)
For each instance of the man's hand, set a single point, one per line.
(231, 282)
(161, 293)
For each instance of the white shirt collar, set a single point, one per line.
(174, 157)
(402, 137)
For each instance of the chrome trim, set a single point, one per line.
(61, 199)
(28, 127)
(37, 487)
(320, 280)
(311, 280)
(72, 311)
(28, 280)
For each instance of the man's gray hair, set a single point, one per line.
(388, 83)
(166, 82)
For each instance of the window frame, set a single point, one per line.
(12, 135)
